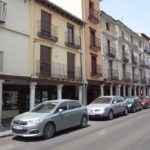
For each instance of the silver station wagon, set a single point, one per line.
(107, 106)
(49, 117)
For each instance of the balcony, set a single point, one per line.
(3, 10)
(95, 44)
(114, 75)
(75, 43)
(96, 72)
(112, 52)
(57, 71)
(127, 77)
(51, 35)
(125, 57)
(142, 63)
(94, 16)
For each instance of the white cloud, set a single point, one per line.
(73, 6)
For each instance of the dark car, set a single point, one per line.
(133, 104)
(145, 102)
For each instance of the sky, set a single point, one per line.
(134, 13)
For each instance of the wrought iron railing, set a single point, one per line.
(94, 16)
(51, 34)
(57, 71)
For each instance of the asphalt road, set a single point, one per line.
(124, 133)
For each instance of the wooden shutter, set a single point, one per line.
(70, 33)
(71, 65)
(94, 65)
(45, 23)
(45, 61)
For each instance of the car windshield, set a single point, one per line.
(102, 100)
(44, 108)
(130, 100)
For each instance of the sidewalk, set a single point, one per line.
(4, 132)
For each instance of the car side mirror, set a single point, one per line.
(60, 110)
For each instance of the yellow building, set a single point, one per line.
(55, 46)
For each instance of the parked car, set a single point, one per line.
(145, 102)
(49, 117)
(107, 106)
(134, 104)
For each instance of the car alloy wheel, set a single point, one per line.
(110, 115)
(49, 131)
(84, 122)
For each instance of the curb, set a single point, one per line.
(6, 134)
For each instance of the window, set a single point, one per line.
(108, 44)
(91, 6)
(107, 26)
(74, 105)
(70, 29)
(45, 23)
(63, 107)
(131, 38)
(122, 34)
(94, 64)
(93, 37)
(1, 61)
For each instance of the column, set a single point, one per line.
(139, 91)
(1, 100)
(124, 90)
(102, 90)
(59, 91)
(80, 91)
(32, 94)
(118, 90)
(135, 94)
(144, 91)
(111, 89)
(130, 91)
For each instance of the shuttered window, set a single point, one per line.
(45, 23)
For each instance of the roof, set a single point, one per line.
(145, 36)
(59, 101)
(60, 11)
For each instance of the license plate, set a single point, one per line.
(18, 127)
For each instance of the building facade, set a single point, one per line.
(40, 55)
(14, 56)
(92, 48)
(123, 53)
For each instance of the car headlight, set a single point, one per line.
(129, 105)
(35, 121)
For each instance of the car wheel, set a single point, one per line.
(110, 115)
(49, 131)
(126, 112)
(133, 110)
(84, 122)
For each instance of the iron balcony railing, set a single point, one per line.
(51, 34)
(95, 44)
(143, 80)
(94, 16)
(57, 71)
(75, 42)
(97, 71)
(111, 52)
(3, 11)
